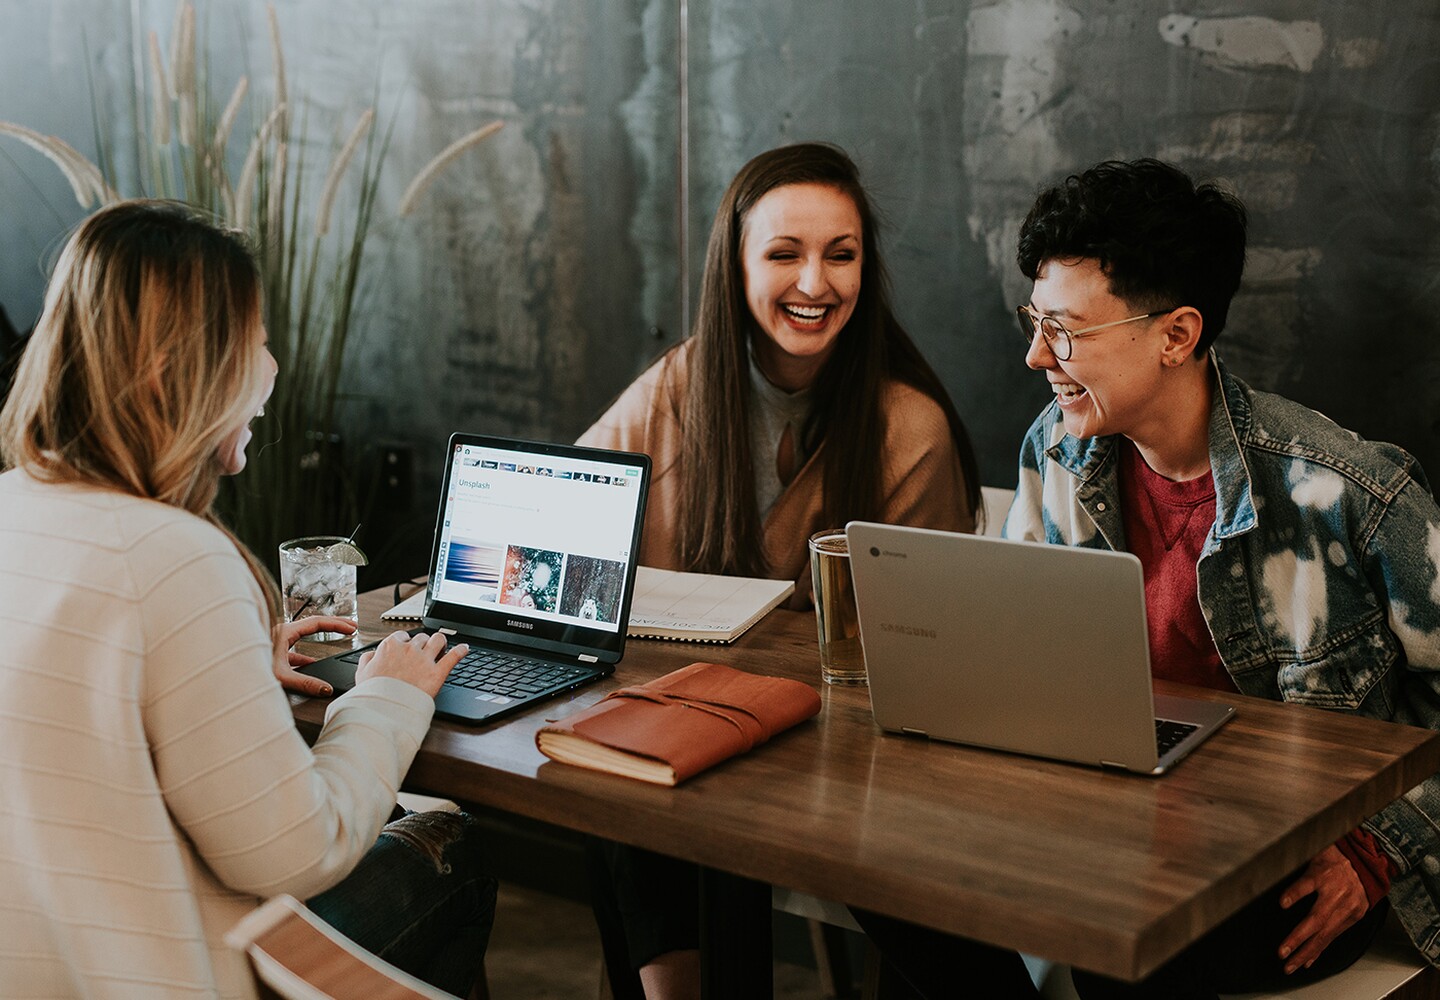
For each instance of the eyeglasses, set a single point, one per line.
(1057, 337)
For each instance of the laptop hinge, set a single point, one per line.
(445, 631)
(587, 658)
(914, 732)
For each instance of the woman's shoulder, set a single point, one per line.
(669, 372)
(911, 412)
(107, 520)
(655, 395)
(84, 532)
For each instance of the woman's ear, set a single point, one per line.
(1183, 327)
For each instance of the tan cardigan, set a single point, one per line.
(921, 481)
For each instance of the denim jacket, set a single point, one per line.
(1320, 580)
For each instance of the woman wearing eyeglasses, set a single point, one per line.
(1283, 556)
(1278, 549)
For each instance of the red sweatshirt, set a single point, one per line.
(1166, 524)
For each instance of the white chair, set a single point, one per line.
(417, 803)
(1390, 970)
(823, 915)
(294, 955)
(995, 502)
(827, 922)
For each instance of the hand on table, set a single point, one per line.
(287, 635)
(1339, 902)
(414, 659)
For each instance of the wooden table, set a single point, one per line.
(1105, 871)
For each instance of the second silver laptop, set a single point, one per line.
(1016, 646)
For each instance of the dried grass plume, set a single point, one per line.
(337, 170)
(437, 166)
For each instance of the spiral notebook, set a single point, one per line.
(668, 604)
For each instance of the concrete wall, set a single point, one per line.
(545, 269)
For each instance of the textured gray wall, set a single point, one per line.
(527, 289)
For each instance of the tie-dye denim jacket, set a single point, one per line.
(1319, 579)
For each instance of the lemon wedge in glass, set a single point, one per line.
(347, 553)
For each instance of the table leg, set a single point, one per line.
(736, 957)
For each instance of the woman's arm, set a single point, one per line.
(924, 484)
(266, 813)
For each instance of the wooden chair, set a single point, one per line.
(295, 955)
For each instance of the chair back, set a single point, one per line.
(995, 502)
(294, 955)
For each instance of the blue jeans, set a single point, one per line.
(420, 899)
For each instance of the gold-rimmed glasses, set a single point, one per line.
(1057, 337)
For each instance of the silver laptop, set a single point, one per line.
(533, 566)
(1017, 646)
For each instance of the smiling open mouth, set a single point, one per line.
(1068, 391)
(806, 314)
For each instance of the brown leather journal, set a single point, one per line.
(680, 724)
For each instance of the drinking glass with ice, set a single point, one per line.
(317, 577)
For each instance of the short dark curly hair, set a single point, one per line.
(1163, 241)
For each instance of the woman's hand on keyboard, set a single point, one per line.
(420, 660)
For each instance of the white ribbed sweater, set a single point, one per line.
(152, 783)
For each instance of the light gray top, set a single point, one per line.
(774, 410)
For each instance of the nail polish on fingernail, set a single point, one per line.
(327, 689)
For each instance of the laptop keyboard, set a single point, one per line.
(506, 677)
(1169, 733)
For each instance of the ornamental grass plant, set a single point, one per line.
(311, 251)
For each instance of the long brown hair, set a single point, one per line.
(720, 526)
(143, 361)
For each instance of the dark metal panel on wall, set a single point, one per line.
(524, 292)
(1323, 117)
(889, 84)
(543, 261)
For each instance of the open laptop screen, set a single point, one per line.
(538, 540)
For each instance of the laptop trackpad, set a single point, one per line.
(466, 703)
(337, 671)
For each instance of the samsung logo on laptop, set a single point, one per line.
(919, 633)
(514, 624)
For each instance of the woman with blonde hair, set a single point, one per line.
(155, 785)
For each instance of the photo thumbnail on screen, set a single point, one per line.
(593, 588)
(478, 564)
(532, 578)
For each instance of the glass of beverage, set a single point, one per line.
(842, 660)
(317, 577)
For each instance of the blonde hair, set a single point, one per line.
(143, 362)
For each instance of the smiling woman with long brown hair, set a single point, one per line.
(798, 403)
